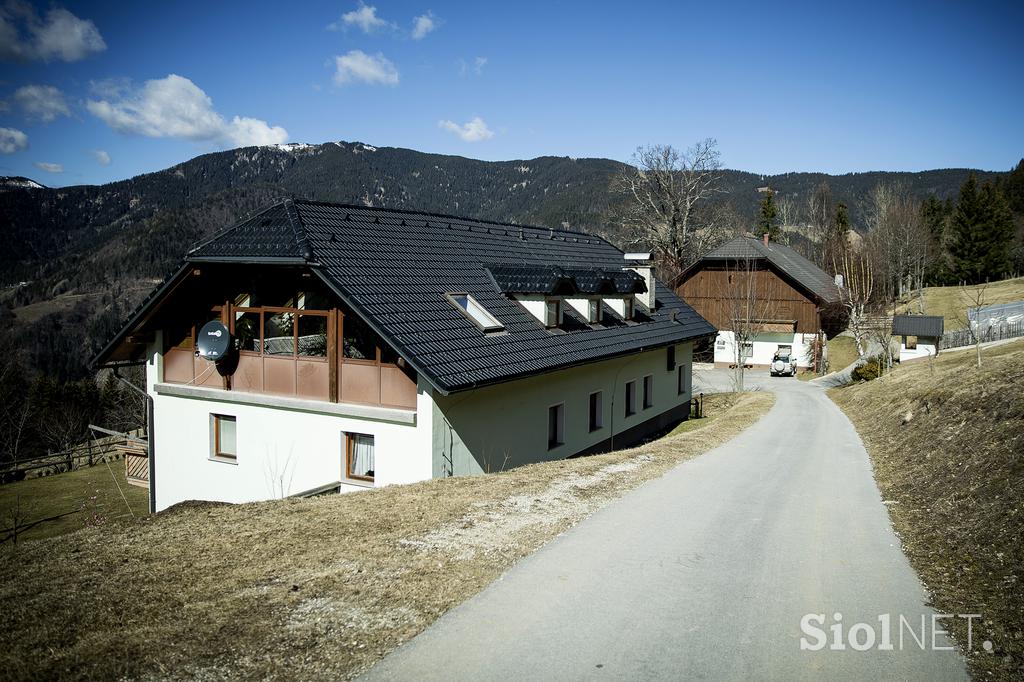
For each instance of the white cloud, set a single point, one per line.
(176, 107)
(12, 140)
(24, 36)
(49, 167)
(246, 132)
(477, 68)
(102, 157)
(424, 24)
(356, 65)
(363, 16)
(470, 131)
(41, 102)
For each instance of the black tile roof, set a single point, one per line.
(394, 267)
(802, 271)
(917, 325)
(532, 279)
(554, 279)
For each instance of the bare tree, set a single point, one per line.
(820, 218)
(15, 403)
(63, 429)
(900, 241)
(748, 310)
(974, 297)
(856, 292)
(667, 195)
(788, 211)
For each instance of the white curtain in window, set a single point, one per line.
(362, 456)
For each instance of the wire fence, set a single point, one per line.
(998, 332)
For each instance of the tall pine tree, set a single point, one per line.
(982, 229)
(999, 232)
(768, 218)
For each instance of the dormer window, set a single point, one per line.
(475, 312)
(552, 312)
(628, 309)
(594, 311)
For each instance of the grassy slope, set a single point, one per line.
(90, 492)
(842, 351)
(952, 303)
(955, 475)
(303, 589)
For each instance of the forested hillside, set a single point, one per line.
(77, 259)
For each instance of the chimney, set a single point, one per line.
(766, 239)
(641, 263)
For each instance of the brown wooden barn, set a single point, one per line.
(767, 294)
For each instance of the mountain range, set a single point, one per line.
(77, 259)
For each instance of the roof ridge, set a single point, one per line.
(447, 216)
(298, 229)
(250, 216)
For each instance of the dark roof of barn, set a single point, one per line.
(393, 268)
(917, 325)
(802, 271)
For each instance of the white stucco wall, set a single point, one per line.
(581, 306)
(764, 349)
(503, 426)
(286, 446)
(283, 449)
(923, 350)
(535, 305)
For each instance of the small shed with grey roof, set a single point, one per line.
(920, 335)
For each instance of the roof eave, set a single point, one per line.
(460, 388)
(140, 315)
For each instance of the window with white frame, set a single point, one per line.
(472, 309)
(648, 391)
(628, 308)
(594, 310)
(630, 398)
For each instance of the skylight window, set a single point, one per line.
(476, 312)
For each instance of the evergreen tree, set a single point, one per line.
(982, 229)
(767, 221)
(1013, 187)
(966, 246)
(835, 241)
(935, 214)
(999, 232)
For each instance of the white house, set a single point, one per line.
(369, 347)
(920, 335)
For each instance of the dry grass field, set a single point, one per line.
(947, 444)
(303, 589)
(952, 302)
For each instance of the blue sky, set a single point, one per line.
(103, 92)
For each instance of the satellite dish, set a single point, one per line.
(214, 341)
